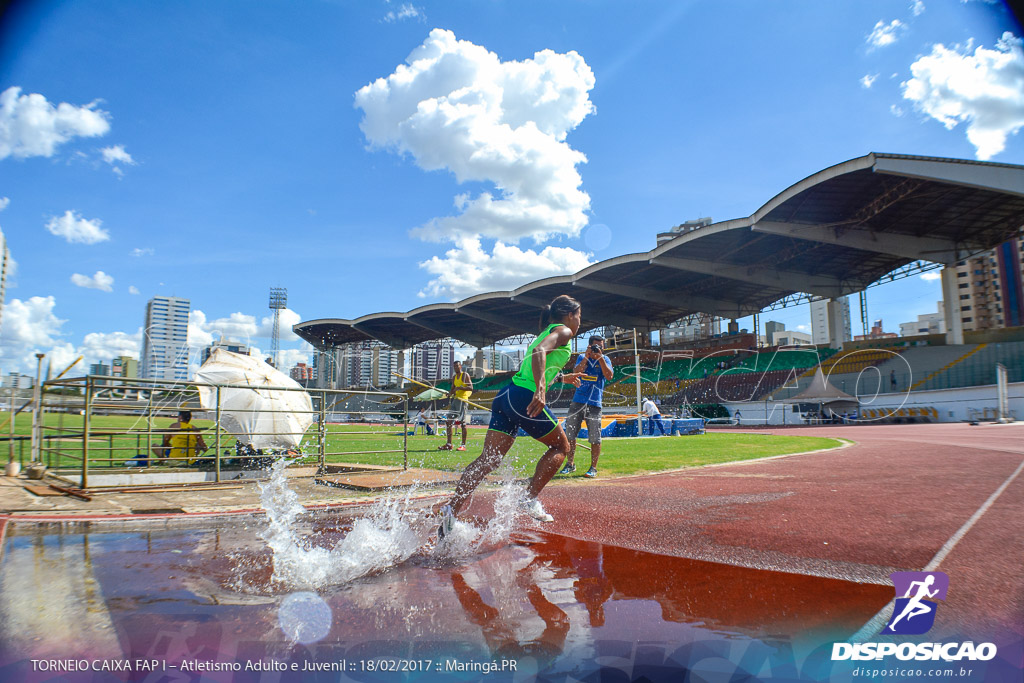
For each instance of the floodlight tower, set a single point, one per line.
(278, 300)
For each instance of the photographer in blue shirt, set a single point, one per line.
(586, 404)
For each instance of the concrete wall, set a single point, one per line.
(950, 405)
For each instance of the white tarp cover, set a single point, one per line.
(822, 391)
(257, 415)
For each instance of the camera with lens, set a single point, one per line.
(595, 348)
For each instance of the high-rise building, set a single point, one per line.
(770, 328)
(99, 369)
(125, 367)
(165, 339)
(989, 288)
(877, 332)
(367, 363)
(227, 345)
(822, 322)
(927, 323)
(302, 372)
(14, 380)
(517, 357)
(691, 328)
(325, 368)
(682, 229)
(432, 361)
(489, 362)
(790, 338)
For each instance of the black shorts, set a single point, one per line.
(508, 414)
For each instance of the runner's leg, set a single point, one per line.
(496, 445)
(550, 462)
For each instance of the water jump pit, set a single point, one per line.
(373, 596)
(206, 601)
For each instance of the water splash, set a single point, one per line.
(466, 540)
(382, 539)
(391, 532)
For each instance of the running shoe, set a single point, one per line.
(461, 448)
(444, 447)
(536, 510)
(568, 469)
(591, 473)
(447, 521)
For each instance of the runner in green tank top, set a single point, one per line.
(522, 405)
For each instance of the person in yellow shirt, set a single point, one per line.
(458, 411)
(182, 442)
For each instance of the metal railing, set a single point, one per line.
(112, 425)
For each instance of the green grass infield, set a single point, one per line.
(117, 438)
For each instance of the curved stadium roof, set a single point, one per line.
(830, 234)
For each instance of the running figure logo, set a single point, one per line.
(914, 612)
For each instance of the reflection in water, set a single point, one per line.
(553, 601)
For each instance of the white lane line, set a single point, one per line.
(878, 622)
(962, 531)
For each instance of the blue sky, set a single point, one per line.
(213, 149)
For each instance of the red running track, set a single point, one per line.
(893, 500)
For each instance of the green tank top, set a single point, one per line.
(554, 361)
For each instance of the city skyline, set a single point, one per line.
(382, 156)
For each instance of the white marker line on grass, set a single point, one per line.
(878, 622)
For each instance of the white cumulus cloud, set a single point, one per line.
(289, 358)
(287, 318)
(4, 202)
(73, 228)
(458, 107)
(454, 105)
(405, 11)
(917, 7)
(31, 323)
(867, 81)
(197, 334)
(984, 89)
(31, 126)
(884, 34)
(100, 281)
(238, 327)
(931, 276)
(31, 326)
(468, 269)
(117, 155)
(132, 289)
(103, 347)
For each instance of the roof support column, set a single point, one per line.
(951, 307)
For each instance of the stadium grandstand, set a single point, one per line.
(829, 235)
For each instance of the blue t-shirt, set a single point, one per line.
(592, 392)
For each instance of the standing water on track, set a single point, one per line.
(391, 532)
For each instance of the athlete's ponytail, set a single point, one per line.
(559, 307)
